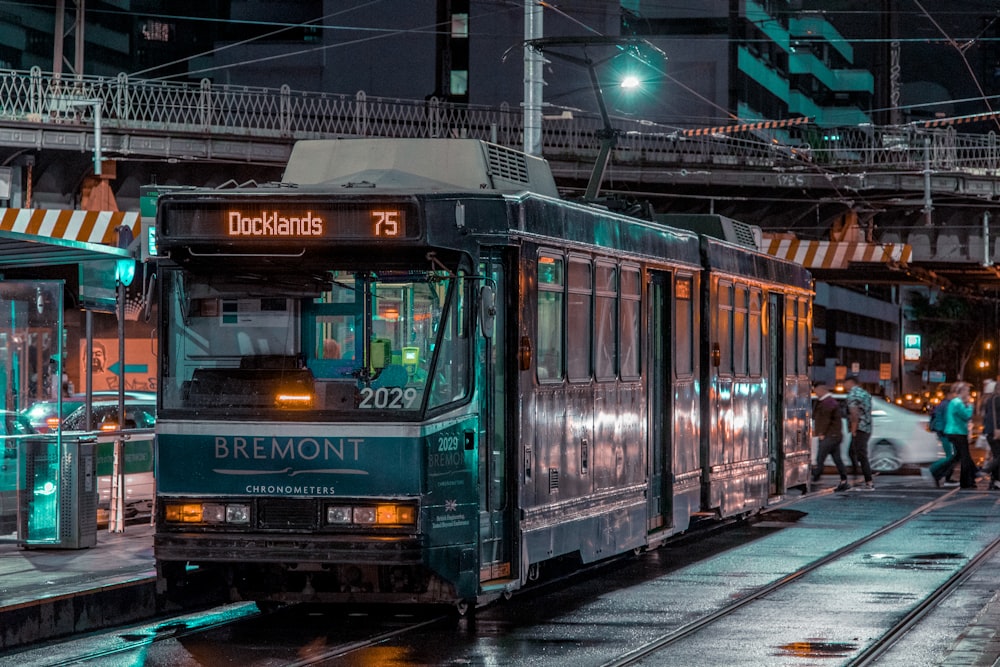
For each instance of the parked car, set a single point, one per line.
(900, 437)
(140, 415)
(44, 415)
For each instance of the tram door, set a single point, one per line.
(494, 499)
(661, 493)
(775, 332)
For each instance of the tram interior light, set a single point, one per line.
(293, 400)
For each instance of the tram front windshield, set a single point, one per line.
(344, 344)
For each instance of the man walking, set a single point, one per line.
(859, 421)
(829, 427)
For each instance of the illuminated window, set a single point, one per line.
(460, 25)
(550, 318)
(459, 82)
(606, 323)
(579, 320)
(629, 329)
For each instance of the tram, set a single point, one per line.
(411, 373)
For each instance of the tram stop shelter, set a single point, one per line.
(37, 471)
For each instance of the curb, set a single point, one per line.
(63, 615)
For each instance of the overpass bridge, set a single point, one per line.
(891, 204)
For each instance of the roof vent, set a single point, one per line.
(716, 226)
(507, 164)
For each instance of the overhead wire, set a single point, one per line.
(849, 202)
(961, 49)
(431, 28)
(250, 40)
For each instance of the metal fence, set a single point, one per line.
(285, 114)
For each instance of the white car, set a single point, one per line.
(899, 437)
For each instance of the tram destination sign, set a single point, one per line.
(281, 221)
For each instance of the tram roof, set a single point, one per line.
(32, 238)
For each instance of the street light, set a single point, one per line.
(96, 104)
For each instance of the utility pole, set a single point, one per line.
(60, 34)
(533, 82)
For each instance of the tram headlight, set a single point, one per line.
(237, 513)
(385, 514)
(207, 513)
(183, 512)
(364, 515)
(396, 514)
(213, 513)
(338, 514)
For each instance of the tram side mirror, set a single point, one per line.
(487, 310)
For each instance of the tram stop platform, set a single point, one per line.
(47, 593)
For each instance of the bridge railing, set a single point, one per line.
(284, 114)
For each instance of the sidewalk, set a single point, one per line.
(46, 593)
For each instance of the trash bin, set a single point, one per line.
(57, 492)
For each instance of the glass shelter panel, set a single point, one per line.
(32, 469)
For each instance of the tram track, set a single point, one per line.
(116, 644)
(881, 646)
(869, 654)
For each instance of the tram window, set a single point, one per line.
(725, 329)
(450, 379)
(791, 358)
(550, 318)
(606, 323)
(335, 337)
(683, 328)
(756, 338)
(740, 331)
(579, 320)
(631, 295)
(803, 326)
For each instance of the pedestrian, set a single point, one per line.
(829, 429)
(960, 410)
(859, 420)
(940, 471)
(990, 426)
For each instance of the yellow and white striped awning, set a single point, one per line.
(85, 226)
(746, 127)
(45, 237)
(835, 254)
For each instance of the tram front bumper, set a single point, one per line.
(260, 548)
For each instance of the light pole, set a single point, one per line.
(96, 104)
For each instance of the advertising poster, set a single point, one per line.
(139, 369)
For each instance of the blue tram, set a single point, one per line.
(409, 372)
